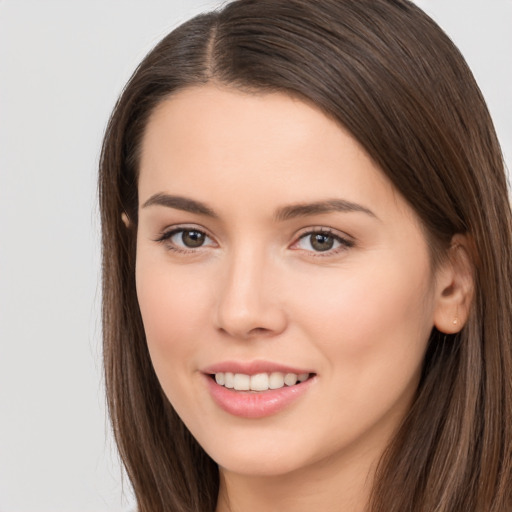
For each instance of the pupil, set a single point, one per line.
(322, 242)
(193, 238)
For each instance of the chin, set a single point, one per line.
(260, 466)
(264, 457)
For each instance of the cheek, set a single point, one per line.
(174, 308)
(371, 330)
(373, 324)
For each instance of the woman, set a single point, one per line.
(307, 269)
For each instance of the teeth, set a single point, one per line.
(290, 379)
(276, 380)
(242, 382)
(228, 380)
(259, 381)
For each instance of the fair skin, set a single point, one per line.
(231, 274)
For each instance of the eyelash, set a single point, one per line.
(165, 238)
(344, 243)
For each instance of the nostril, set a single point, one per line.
(259, 330)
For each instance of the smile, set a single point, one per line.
(259, 381)
(258, 389)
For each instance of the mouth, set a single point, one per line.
(259, 382)
(257, 389)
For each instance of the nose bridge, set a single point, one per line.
(248, 301)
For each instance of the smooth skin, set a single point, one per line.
(346, 292)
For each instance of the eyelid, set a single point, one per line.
(345, 240)
(166, 234)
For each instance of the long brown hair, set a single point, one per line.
(389, 75)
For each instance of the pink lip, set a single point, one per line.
(252, 368)
(250, 404)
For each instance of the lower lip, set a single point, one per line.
(250, 404)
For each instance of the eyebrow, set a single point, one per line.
(329, 206)
(180, 203)
(282, 214)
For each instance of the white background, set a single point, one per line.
(62, 65)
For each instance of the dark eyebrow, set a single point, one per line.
(331, 205)
(285, 213)
(179, 203)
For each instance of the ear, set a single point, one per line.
(454, 286)
(126, 221)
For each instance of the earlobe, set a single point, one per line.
(454, 287)
(126, 220)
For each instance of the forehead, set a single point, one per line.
(219, 143)
(222, 119)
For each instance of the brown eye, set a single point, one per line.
(192, 238)
(185, 239)
(321, 241)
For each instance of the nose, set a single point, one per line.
(248, 303)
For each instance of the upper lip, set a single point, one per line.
(252, 367)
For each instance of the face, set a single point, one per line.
(285, 287)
